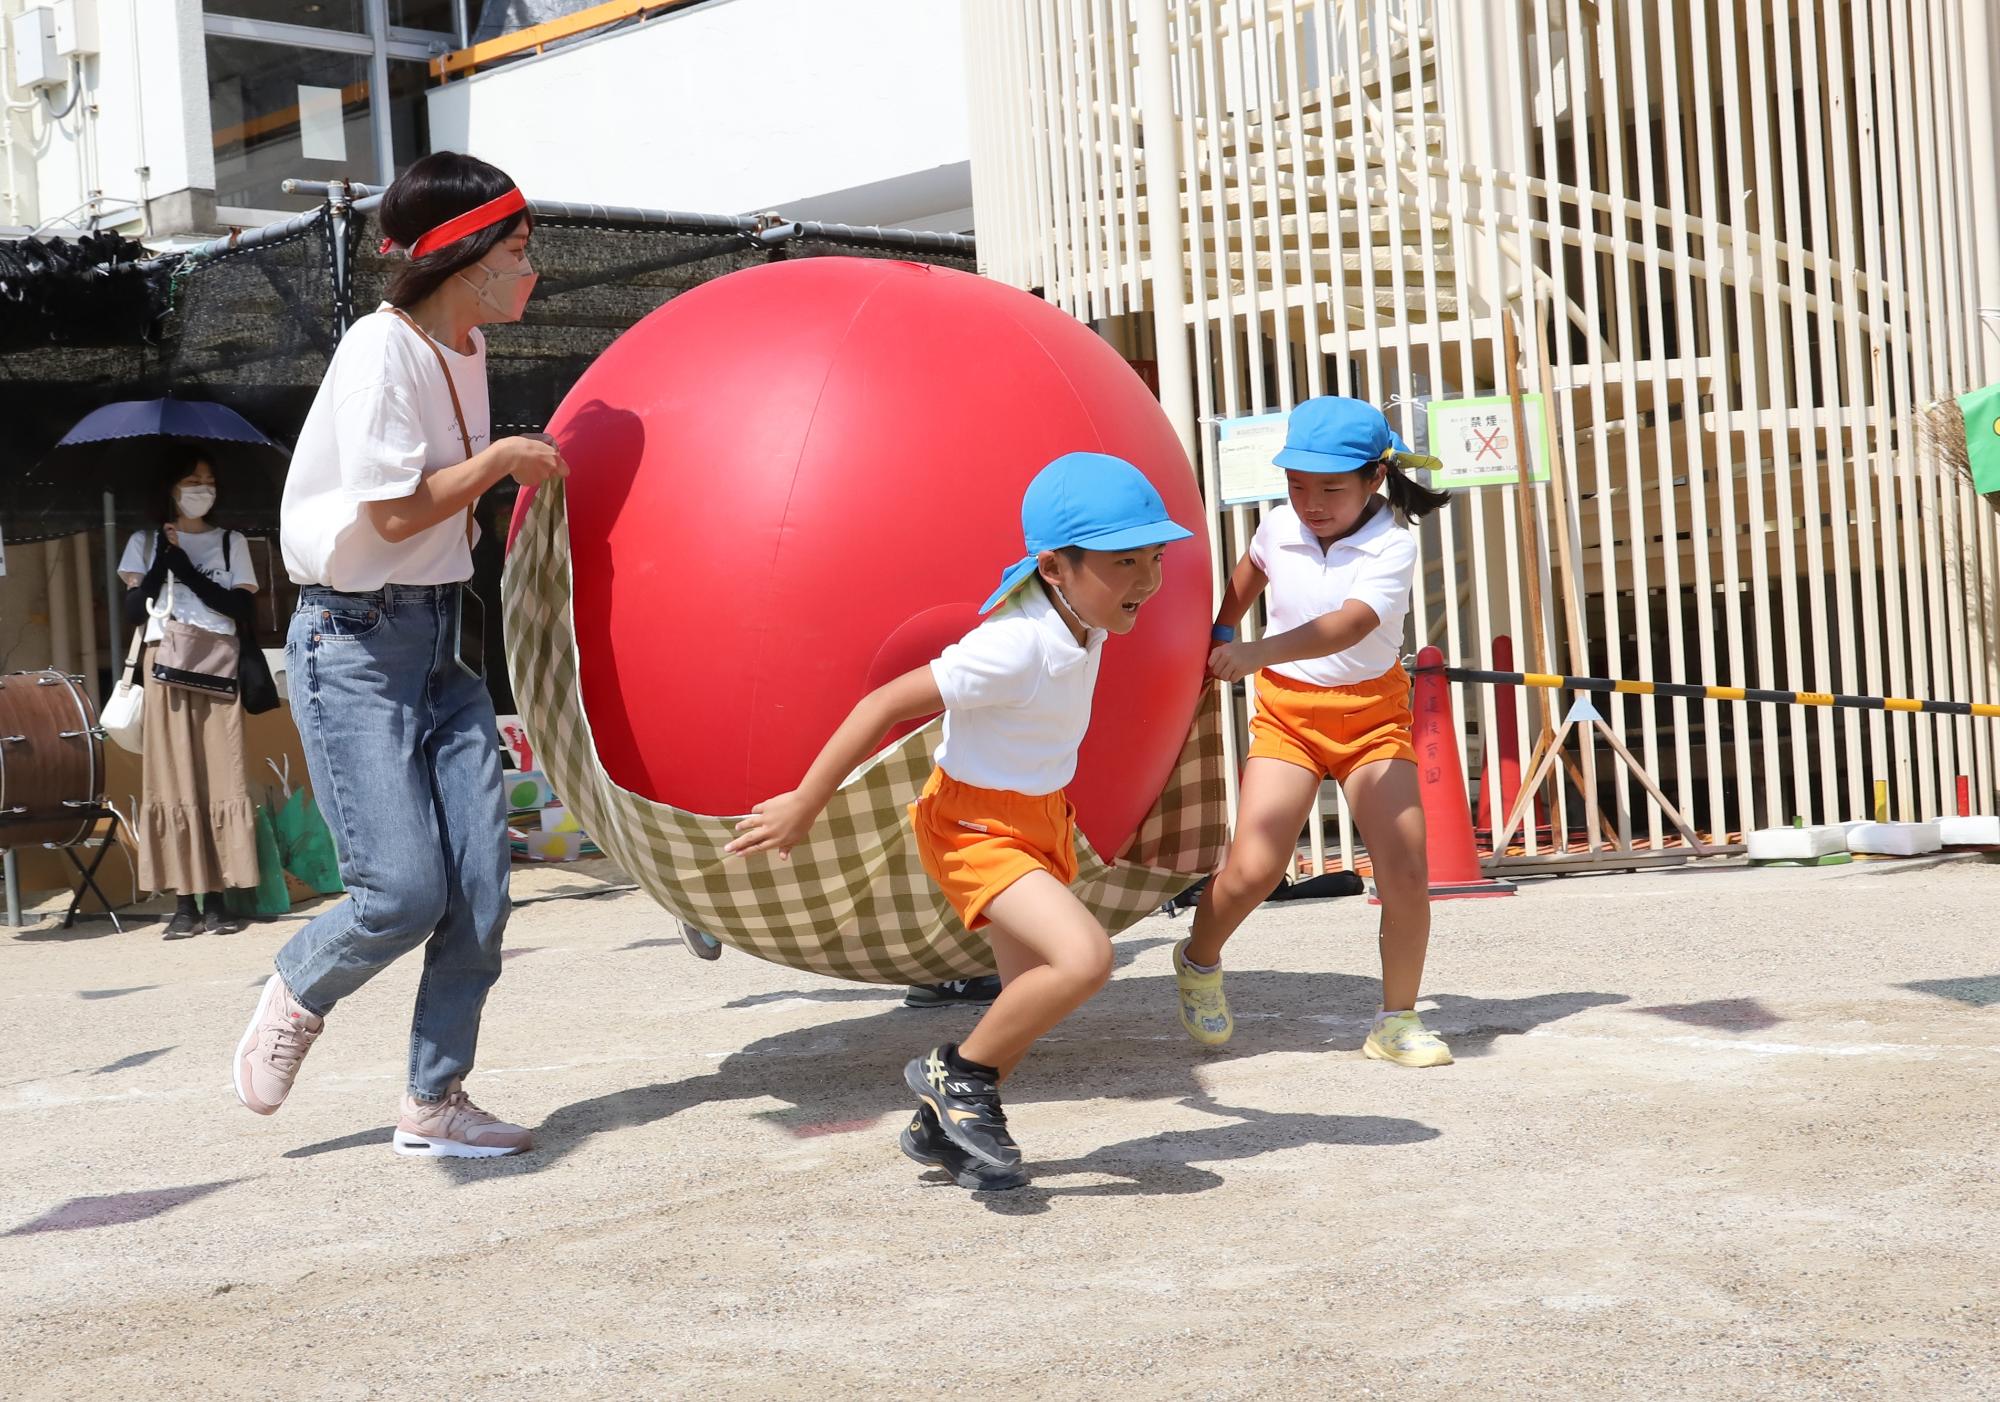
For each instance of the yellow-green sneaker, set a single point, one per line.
(1204, 1009)
(1403, 1039)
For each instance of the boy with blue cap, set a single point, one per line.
(1333, 702)
(993, 827)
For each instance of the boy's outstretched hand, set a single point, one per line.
(779, 823)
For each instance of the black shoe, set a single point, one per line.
(959, 992)
(967, 1109)
(700, 943)
(219, 921)
(185, 925)
(924, 1142)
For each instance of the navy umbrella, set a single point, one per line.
(105, 469)
(117, 451)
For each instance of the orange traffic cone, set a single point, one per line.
(1454, 859)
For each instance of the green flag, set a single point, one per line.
(1982, 436)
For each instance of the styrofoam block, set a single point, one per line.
(1796, 844)
(1894, 839)
(1969, 832)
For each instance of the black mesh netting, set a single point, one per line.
(253, 327)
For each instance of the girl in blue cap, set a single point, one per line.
(1333, 702)
(993, 827)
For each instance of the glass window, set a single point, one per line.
(440, 15)
(280, 112)
(409, 111)
(350, 15)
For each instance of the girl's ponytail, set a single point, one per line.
(1411, 499)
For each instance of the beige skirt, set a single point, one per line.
(197, 829)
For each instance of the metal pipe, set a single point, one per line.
(112, 584)
(339, 212)
(1163, 187)
(229, 243)
(367, 196)
(13, 890)
(86, 617)
(61, 583)
(378, 89)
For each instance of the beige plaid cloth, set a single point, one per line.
(853, 901)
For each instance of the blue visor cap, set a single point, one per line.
(1090, 500)
(1333, 433)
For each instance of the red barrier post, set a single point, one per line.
(1448, 844)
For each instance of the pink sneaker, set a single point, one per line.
(455, 1128)
(276, 1041)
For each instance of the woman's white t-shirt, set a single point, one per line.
(205, 549)
(1310, 579)
(382, 420)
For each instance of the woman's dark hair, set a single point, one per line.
(180, 462)
(1411, 499)
(442, 186)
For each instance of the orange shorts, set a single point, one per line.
(1332, 730)
(976, 842)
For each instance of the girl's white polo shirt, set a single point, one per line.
(1309, 580)
(1017, 695)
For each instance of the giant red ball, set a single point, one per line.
(796, 482)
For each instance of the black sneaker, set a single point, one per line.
(219, 921)
(967, 1109)
(185, 925)
(959, 992)
(924, 1142)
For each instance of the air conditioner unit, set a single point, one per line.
(76, 28)
(36, 63)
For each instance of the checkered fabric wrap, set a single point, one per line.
(853, 901)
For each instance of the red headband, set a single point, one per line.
(470, 222)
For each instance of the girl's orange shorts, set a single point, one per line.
(976, 842)
(1332, 730)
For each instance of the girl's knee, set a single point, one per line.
(1403, 878)
(1249, 876)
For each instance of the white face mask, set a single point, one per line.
(504, 291)
(195, 502)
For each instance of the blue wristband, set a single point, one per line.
(1222, 633)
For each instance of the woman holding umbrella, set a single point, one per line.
(398, 729)
(196, 826)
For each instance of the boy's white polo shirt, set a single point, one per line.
(1309, 580)
(1017, 695)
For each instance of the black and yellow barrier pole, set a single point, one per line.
(1695, 691)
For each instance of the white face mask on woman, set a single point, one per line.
(505, 289)
(195, 502)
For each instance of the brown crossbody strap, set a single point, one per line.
(458, 410)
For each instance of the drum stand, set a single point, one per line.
(87, 875)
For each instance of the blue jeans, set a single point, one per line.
(404, 755)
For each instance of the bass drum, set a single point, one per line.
(51, 761)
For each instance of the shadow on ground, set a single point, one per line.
(846, 1075)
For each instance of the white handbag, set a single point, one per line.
(123, 719)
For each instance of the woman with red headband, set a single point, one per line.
(383, 654)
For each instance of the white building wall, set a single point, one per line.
(138, 134)
(853, 112)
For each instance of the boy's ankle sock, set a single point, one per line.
(966, 1067)
(186, 905)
